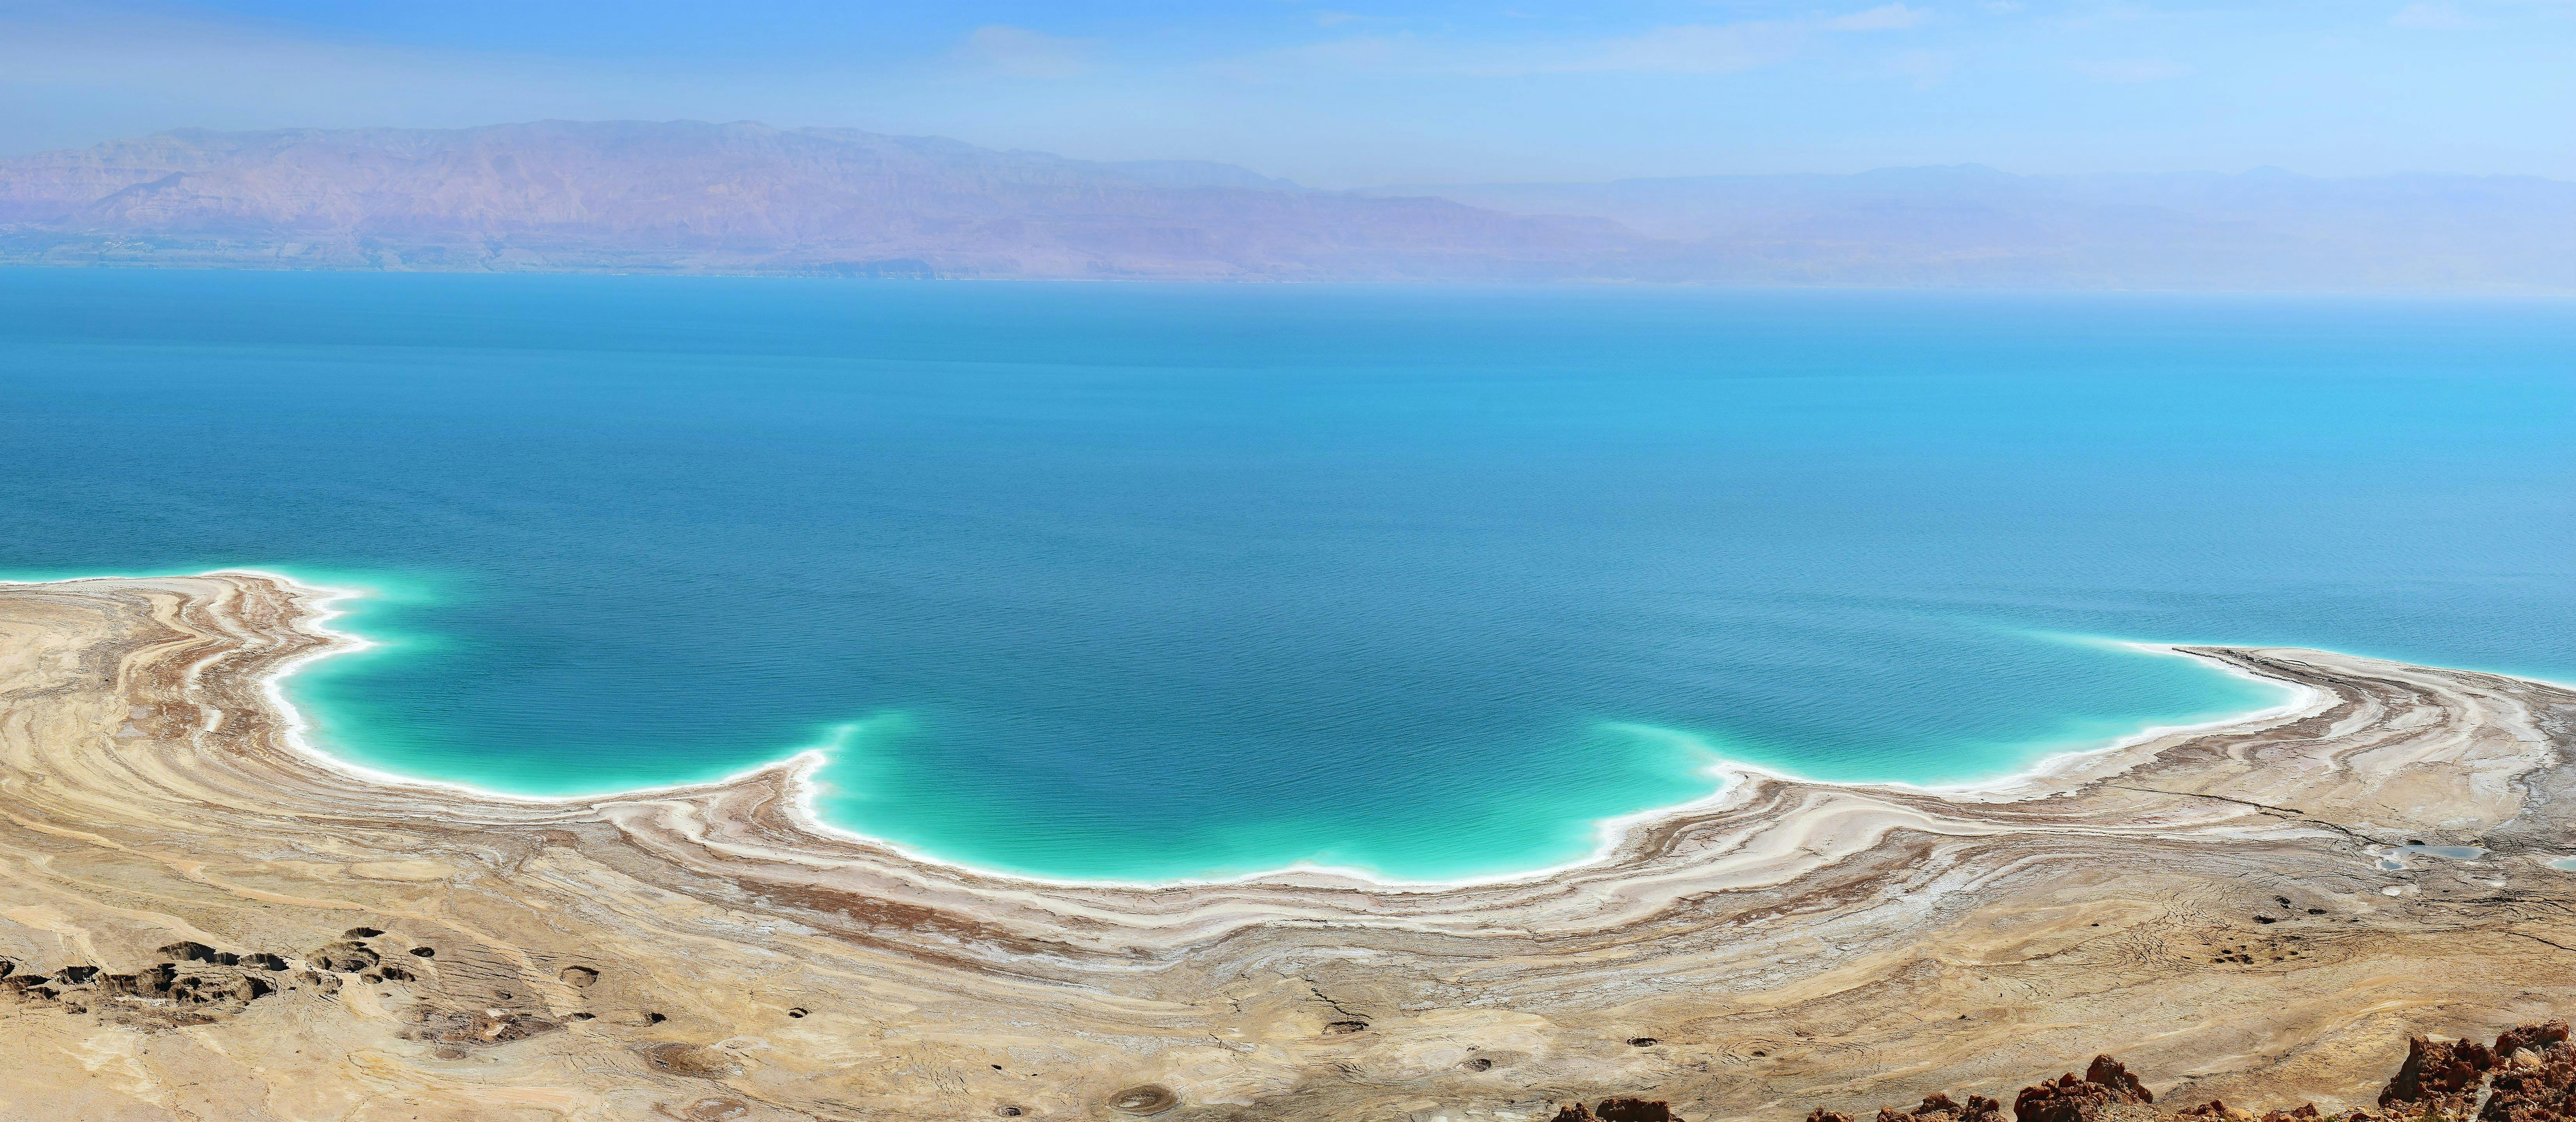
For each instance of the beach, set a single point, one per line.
(2209, 903)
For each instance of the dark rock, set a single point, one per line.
(2073, 1098)
(2535, 1037)
(2108, 1072)
(2441, 1077)
(2535, 1080)
(1940, 1107)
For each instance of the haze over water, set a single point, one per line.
(1146, 581)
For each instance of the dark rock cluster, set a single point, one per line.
(2081, 1098)
(1618, 1110)
(2529, 1075)
(194, 983)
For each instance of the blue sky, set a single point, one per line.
(1351, 93)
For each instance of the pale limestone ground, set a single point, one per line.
(1788, 946)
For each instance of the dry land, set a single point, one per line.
(202, 921)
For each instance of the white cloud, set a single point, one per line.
(2132, 70)
(1885, 17)
(2428, 17)
(1022, 53)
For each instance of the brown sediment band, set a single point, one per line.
(2205, 902)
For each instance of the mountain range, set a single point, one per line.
(690, 196)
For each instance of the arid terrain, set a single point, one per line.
(201, 921)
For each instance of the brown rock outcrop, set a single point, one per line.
(2074, 1098)
(2535, 1077)
(2440, 1077)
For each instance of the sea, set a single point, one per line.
(1147, 582)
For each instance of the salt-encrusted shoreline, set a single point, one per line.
(678, 950)
(798, 771)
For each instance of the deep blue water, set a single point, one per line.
(1148, 581)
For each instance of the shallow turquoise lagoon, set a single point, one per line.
(1145, 582)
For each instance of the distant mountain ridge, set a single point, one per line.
(690, 196)
(1973, 225)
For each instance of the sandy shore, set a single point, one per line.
(2207, 902)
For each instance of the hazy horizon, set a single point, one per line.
(1368, 97)
(697, 197)
(1383, 189)
(2092, 144)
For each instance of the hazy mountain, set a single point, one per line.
(689, 196)
(738, 197)
(1971, 225)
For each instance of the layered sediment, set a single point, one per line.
(202, 920)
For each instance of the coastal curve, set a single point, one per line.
(2275, 900)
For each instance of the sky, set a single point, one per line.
(1349, 93)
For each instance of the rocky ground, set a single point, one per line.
(200, 921)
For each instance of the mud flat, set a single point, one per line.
(201, 920)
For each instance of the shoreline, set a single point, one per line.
(2205, 904)
(798, 770)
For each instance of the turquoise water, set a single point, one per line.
(1154, 581)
